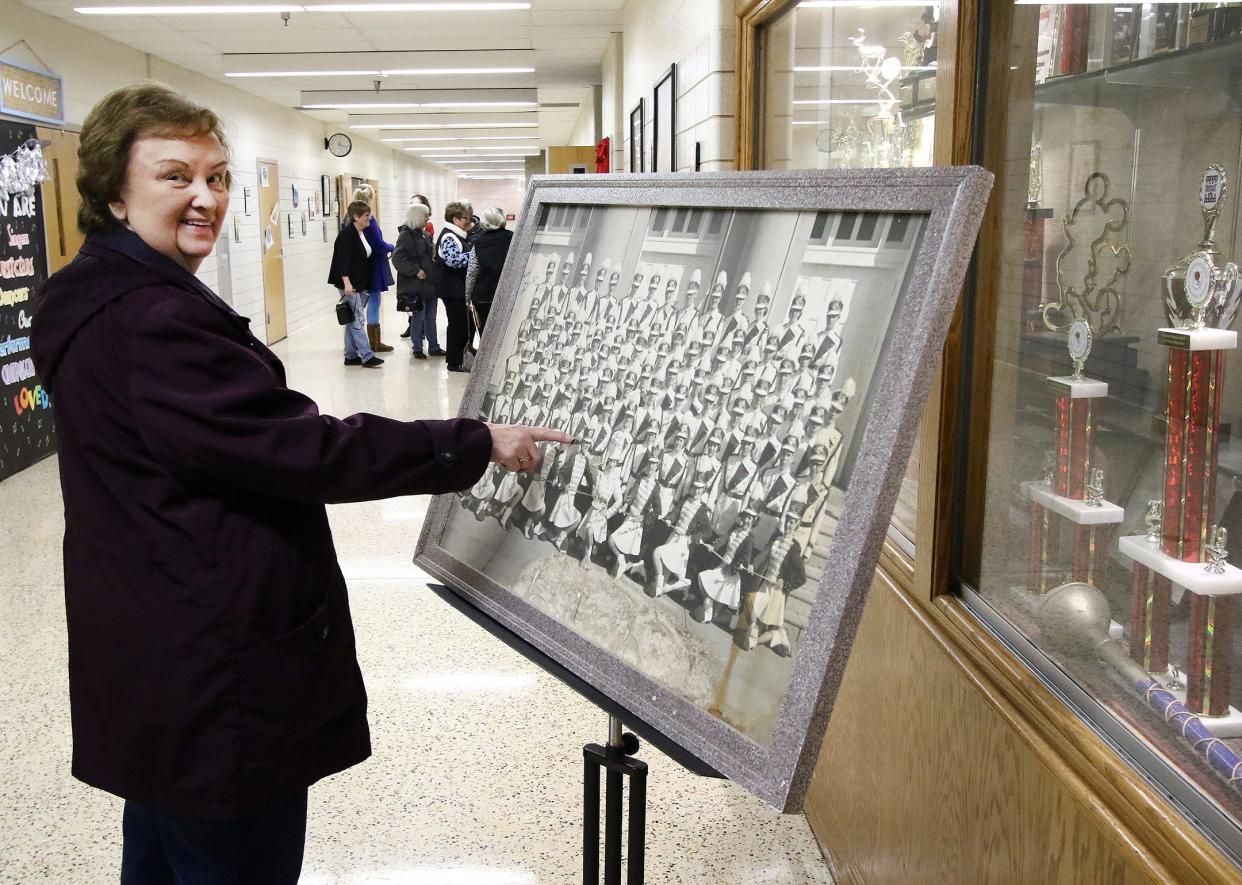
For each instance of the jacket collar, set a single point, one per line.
(124, 241)
(450, 227)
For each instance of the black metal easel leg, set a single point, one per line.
(616, 759)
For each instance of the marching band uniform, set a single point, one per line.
(781, 573)
(627, 541)
(722, 585)
(673, 556)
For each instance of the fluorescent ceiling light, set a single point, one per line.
(442, 126)
(187, 9)
(300, 73)
(464, 138)
(864, 4)
(241, 9)
(414, 7)
(408, 72)
(416, 72)
(362, 105)
(476, 161)
(819, 69)
(836, 101)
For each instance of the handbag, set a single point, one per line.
(344, 311)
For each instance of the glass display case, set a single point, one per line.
(847, 85)
(1109, 515)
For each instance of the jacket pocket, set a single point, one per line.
(298, 684)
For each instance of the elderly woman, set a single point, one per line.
(212, 675)
(381, 276)
(451, 258)
(350, 272)
(412, 258)
(487, 260)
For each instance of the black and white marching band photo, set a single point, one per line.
(712, 366)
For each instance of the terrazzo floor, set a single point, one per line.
(476, 772)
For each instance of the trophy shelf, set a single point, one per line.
(1201, 68)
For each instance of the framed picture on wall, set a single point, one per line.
(742, 361)
(295, 194)
(637, 157)
(325, 190)
(664, 122)
(289, 222)
(247, 198)
(303, 224)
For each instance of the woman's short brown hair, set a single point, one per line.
(111, 128)
(357, 209)
(456, 209)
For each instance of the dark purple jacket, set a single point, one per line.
(211, 652)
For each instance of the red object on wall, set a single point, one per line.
(602, 152)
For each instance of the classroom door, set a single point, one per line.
(273, 251)
(60, 197)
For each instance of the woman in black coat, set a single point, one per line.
(212, 675)
(487, 260)
(412, 259)
(351, 272)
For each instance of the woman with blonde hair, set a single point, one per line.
(381, 276)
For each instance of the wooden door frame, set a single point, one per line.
(1136, 816)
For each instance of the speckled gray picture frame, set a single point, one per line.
(953, 199)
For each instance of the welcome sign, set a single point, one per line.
(26, 430)
(35, 95)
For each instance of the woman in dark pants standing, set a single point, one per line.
(412, 259)
(212, 672)
(451, 259)
(487, 260)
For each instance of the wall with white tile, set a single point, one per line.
(697, 35)
(91, 66)
(613, 111)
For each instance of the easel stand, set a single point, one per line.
(616, 759)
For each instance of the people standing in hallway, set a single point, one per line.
(451, 259)
(381, 276)
(415, 294)
(350, 272)
(486, 261)
(212, 671)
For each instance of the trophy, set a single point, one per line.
(1071, 491)
(1200, 289)
(1183, 551)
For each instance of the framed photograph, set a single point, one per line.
(637, 157)
(325, 230)
(296, 194)
(742, 360)
(325, 190)
(289, 222)
(303, 223)
(311, 199)
(236, 228)
(247, 199)
(664, 122)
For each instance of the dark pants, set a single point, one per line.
(458, 331)
(261, 848)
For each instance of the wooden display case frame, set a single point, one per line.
(1067, 792)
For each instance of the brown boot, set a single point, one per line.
(373, 333)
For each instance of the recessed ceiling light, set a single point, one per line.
(471, 125)
(807, 69)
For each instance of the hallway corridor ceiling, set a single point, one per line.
(430, 73)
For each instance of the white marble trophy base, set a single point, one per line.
(1077, 512)
(1227, 726)
(1077, 388)
(1190, 575)
(1198, 339)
